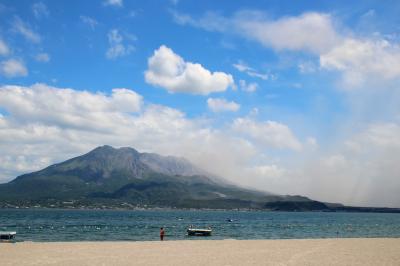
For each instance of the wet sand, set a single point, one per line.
(361, 251)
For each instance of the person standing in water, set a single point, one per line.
(162, 233)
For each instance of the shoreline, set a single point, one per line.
(198, 238)
(344, 209)
(327, 251)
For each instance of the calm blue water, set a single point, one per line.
(93, 225)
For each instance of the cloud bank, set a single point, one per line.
(42, 125)
(359, 60)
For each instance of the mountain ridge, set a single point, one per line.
(107, 177)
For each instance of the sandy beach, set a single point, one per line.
(378, 251)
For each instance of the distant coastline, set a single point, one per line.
(342, 209)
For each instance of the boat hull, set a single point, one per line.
(7, 236)
(199, 232)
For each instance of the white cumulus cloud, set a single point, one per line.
(67, 107)
(269, 133)
(363, 60)
(222, 105)
(311, 31)
(13, 68)
(170, 71)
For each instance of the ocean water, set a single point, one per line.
(112, 225)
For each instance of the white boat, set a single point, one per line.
(199, 231)
(7, 236)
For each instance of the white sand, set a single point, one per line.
(378, 251)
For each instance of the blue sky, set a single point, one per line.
(274, 92)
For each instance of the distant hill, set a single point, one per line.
(125, 178)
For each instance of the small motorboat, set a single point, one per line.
(199, 231)
(7, 236)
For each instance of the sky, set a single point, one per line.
(290, 97)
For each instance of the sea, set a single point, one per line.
(46, 225)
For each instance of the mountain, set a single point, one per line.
(125, 178)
